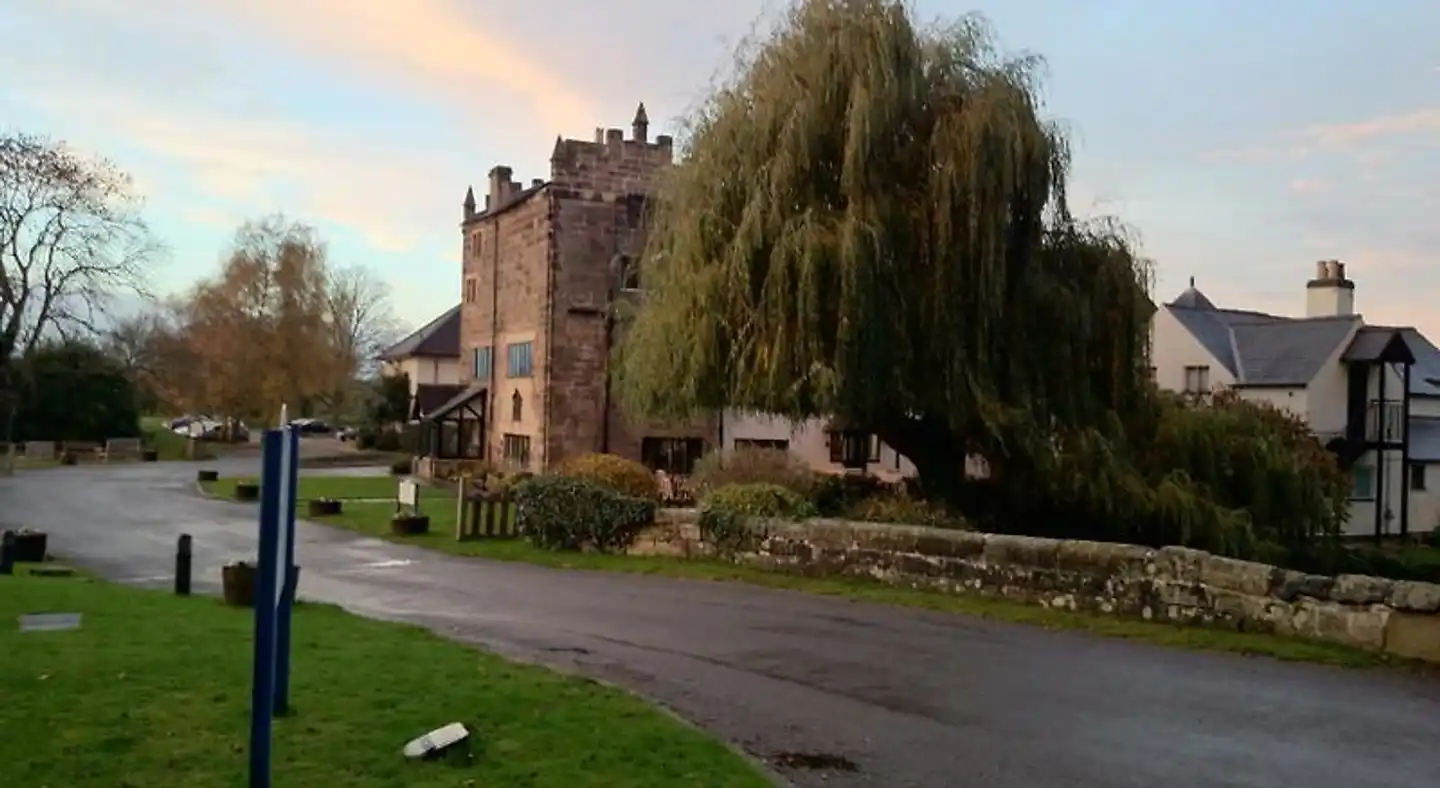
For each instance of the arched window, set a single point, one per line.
(517, 406)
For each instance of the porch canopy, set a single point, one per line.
(455, 430)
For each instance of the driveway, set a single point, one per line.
(912, 699)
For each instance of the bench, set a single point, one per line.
(39, 450)
(83, 449)
(122, 449)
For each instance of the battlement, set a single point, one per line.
(611, 159)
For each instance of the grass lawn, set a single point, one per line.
(373, 519)
(344, 488)
(154, 691)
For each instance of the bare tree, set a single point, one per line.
(71, 238)
(362, 320)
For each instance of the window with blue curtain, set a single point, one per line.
(520, 358)
(481, 363)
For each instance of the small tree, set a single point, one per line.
(391, 402)
(73, 391)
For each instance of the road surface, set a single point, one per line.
(909, 699)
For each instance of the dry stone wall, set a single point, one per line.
(1173, 584)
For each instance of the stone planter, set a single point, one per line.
(238, 581)
(323, 507)
(149, 455)
(247, 492)
(30, 547)
(207, 476)
(410, 524)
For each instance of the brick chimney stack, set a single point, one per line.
(499, 186)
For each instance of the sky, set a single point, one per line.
(1240, 140)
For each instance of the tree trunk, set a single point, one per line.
(938, 455)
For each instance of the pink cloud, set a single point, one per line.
(1309, 185)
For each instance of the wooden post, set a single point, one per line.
(463, 485)
(184, 558)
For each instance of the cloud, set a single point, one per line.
(439, 47)
(1354, 138)
(242, 160)
(1346, 135)
(1309, 185)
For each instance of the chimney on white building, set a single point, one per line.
(1329, 294)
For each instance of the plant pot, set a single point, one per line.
(247, 492)
(207, 476)
(69, 458)
(30, 547)
(410, 524)
(323, 507)
(149, 455)
(238, 581)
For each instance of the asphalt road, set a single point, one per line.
(912, 699)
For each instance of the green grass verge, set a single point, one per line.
(372, 519)
(154, 691)
(342, 487)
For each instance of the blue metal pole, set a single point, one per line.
(262, 696)
(291, 575)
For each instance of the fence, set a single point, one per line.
(482, 514)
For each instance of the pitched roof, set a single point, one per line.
(1425, 374)
(430, 397)
(440, 338)
(1261, 349)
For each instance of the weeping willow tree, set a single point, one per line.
(871, 224)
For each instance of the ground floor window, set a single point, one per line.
(671, 455)
(1362, 483)
(1417, 476)
(854, 449)
(756, 443)
(516, 449)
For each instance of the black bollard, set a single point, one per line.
(7, 553)
(183, 555)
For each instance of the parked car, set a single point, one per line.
(311, 426)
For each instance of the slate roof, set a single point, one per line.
(1260, 349)
(430, 397)
(440, 338)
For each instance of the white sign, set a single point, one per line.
(409, 493)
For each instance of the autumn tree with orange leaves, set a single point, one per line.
(277, 325)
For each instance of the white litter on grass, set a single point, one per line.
(49, 622)
(437, 741)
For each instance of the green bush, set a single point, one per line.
(903, 510)
(725, 510)
(836, 494)
(568, 513)
(365, 440)
(627, 477)
(752, 466)
(387, 440)
(400, 467)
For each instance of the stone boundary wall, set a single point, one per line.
(1173, 584)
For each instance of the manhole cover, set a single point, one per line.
(814, 761)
